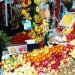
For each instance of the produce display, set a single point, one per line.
(26, 70)
(68, 68)
(43, 60)
(18, 65)
(43, 53)
(55, 59)
(71, 36)
(20, 38)
(38, 13)
(12, 63)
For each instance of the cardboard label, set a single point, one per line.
(27, 24)
(17, 49)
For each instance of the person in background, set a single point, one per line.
(59, 37)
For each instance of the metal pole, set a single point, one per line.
(73, 5)
(6, 13)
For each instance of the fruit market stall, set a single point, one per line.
(48, 61)
(26, 52)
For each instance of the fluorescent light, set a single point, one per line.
(1, 0)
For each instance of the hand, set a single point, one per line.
(52, 39)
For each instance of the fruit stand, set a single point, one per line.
(26, 52)
(48, 60)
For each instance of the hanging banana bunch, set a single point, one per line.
(37, 2)
(37, 18)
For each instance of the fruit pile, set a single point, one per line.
(68, 68)
(71, 36)
(42, 56)
(38, 55)
(43, 53)
(37, 2)
(26, 69)
(44, 60)
(53, 63)
(48, 64)
(13, 62)
(20, 38)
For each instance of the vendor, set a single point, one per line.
(59, 37)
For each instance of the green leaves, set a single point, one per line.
(4, 38)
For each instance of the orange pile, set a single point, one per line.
(43, 53)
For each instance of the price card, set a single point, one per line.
(27, 24)
(17, 49)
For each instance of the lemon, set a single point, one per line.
(23, 12)
(37, 9)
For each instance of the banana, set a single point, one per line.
(37, 9)
(37, 1)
